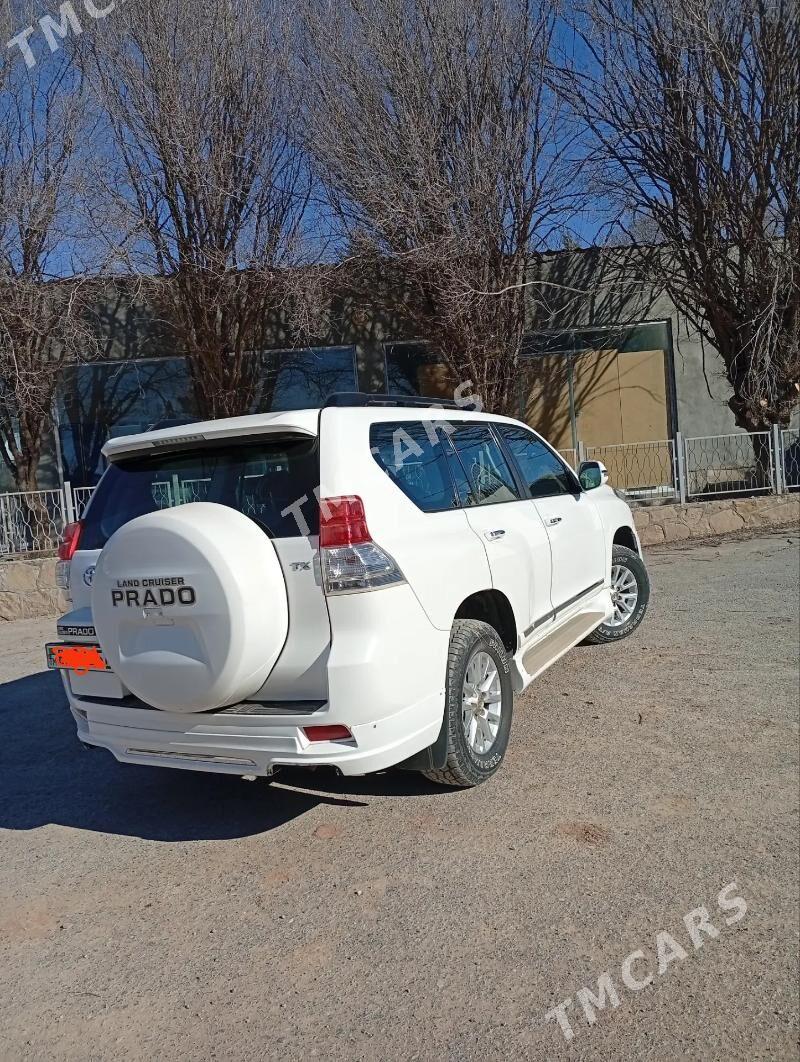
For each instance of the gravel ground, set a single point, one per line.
(149, 913)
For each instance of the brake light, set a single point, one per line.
(342, 522)
(333, 732)
(69, 541)
(351, 561)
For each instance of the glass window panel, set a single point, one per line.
(414, 463)
(261, 480)
(303, 379)
(487, 477)
(97, 401)
(544, 473)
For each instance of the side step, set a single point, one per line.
(536, 659)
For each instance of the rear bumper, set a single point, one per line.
(252, 744)
(385, 677)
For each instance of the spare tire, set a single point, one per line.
(190, 607)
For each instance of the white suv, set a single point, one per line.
(362, 585)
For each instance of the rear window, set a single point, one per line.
(415, 461)
(260, 479)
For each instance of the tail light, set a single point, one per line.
(69, 541)
(351, 561)
(342, 522)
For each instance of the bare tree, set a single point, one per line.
(43, 145)
(210, 187)
(446, 155)
(695, 107)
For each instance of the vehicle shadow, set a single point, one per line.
(47, 776)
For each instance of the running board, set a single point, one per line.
(533, 661)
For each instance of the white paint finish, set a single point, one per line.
(442, 559)
(299, 422)
(519, 559)
(577, 545)
(203, 654)
(301, 671)
(264, 629)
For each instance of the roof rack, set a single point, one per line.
(361, 398)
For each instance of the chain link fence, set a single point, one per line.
(32, 521)
(643, 471)
(80, 499)
(662, 470)
(730, 464)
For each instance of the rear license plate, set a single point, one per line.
(78, 658)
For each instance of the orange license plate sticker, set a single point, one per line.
(78, 658)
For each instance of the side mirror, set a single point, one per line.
(592, 474)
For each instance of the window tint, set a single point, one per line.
(414, 462)
(485, 477)
(543, 472)
(259, 479)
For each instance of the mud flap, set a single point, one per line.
(432, 758)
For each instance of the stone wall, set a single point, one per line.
(28, 589)
(674, 523)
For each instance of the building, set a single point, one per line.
(610, 361)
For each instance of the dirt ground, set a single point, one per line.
(151, 913)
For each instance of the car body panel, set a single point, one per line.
(375, 662)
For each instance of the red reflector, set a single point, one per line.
(69, 541)
(336, 732)
(342, 522)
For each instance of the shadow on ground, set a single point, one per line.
(47, 776)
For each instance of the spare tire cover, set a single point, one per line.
(190, 607)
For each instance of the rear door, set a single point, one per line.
(512, 531)
(272, 479)
(569, 516)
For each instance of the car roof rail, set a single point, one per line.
(361, 398)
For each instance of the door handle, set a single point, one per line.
(497, 533)
(551, 521)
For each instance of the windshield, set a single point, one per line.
(260, 479)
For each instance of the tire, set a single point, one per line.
(474, 758)
(628, 563)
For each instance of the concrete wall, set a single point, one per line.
(676, 523)
(28, 589)
(616, 294)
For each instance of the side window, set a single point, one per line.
(544, 473)
(414, 463)
(482, 472)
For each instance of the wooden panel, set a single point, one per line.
(597, 399)
(434, 380)
(546, 385)
(643, 396)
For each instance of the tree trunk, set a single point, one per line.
(37, 527)
(760, 429)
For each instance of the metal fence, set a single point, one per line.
(730, 464)
(661, 470)
(643, 471)
(32, 521)
(80, 499)
(790, 457)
